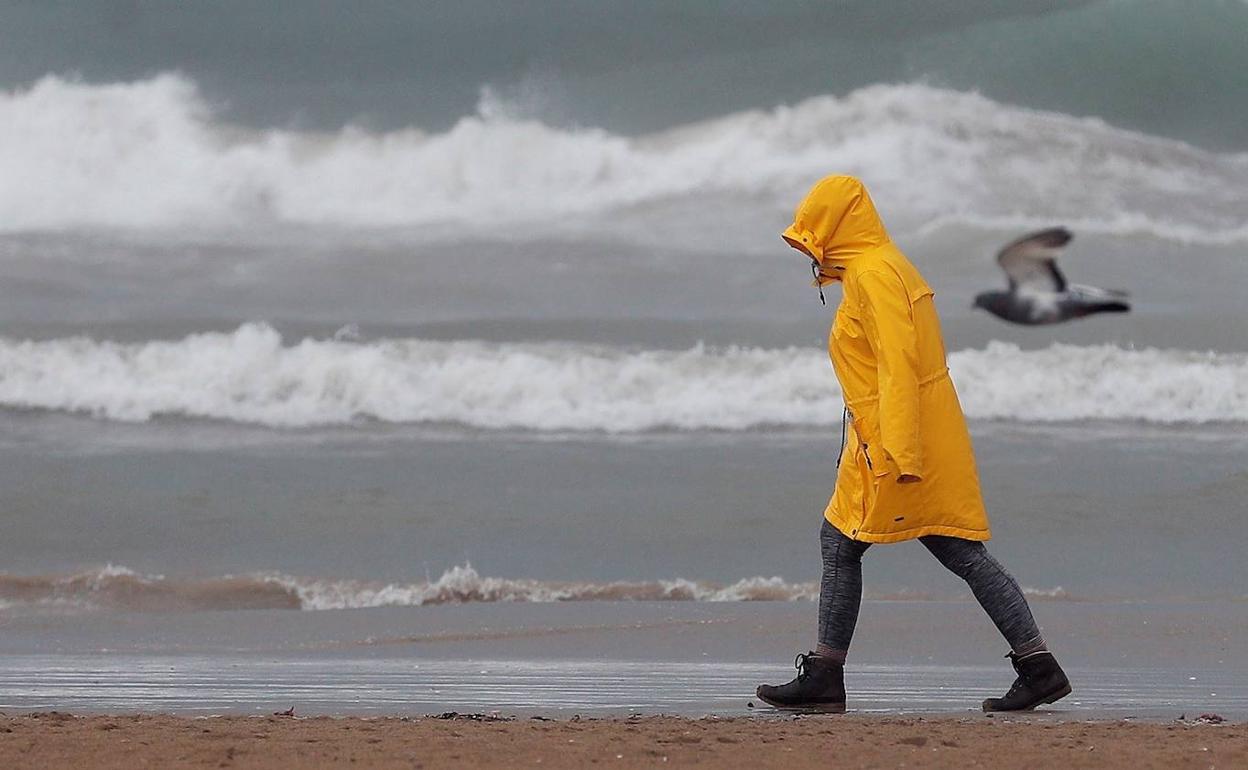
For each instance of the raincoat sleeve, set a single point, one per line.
(886, 315)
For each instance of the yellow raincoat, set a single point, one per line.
(886, 348)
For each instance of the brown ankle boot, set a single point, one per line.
(1040, 680)
(819, 686)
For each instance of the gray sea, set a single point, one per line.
(342, 371)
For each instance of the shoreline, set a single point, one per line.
(479, 740)
(612, 658)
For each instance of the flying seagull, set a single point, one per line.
(1038, 291)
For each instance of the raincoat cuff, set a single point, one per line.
(906, 467)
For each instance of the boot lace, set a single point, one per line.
(803, 664)
(1022, 682)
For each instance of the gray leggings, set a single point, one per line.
(840, 592)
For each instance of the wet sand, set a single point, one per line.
(1036, 740)
(1127, 660)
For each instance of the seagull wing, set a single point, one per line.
(1031, 261)
(1095, 293)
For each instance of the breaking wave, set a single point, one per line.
(151, 153)
(251, 376)
(114, 588)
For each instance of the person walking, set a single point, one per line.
(906, 469)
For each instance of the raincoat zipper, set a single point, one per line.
(847, 415)
(844, 416)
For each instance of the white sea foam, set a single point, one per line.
(114, 588)
(461, 584)
(152, 154)
(119, 588)
(251, 376)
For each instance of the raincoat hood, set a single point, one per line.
(836, 221)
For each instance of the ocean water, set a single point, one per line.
(367, 342)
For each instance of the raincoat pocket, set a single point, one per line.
(872, 472)
(866, 421)
(870, 487)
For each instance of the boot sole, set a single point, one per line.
(810, 708)
(1062, 693)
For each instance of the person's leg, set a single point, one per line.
(820, 681)
(1040, 679)
(995, 589)
(840, 591)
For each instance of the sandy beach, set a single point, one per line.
(62, 740)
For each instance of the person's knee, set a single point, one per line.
(964, 558)
(965, 568)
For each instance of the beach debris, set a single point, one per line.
(541, 719)
(478, 717)
(1203, 719)
(290, 712)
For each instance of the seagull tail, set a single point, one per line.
(1106, 307)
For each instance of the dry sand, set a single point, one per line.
(61, 740)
